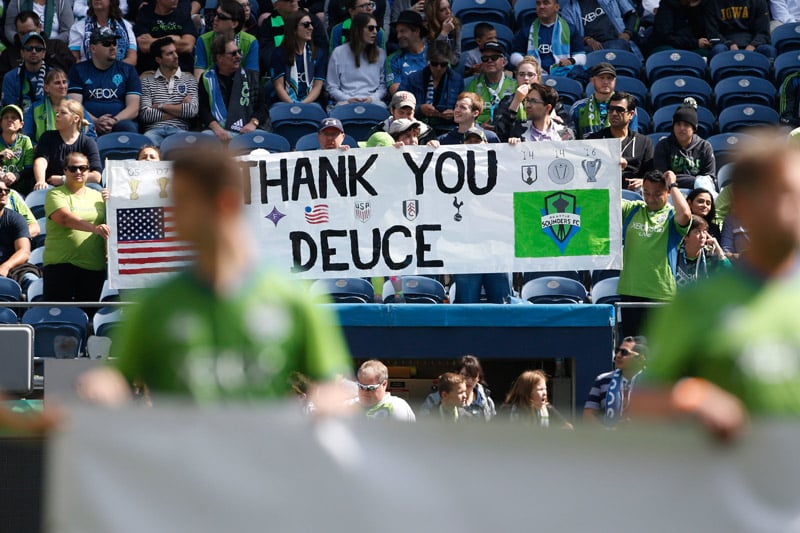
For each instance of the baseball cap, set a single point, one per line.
(403, 99)
(12, 107)
(32, 35)
(410, 18)
(493, 46)
(402, 124)
(331, 123)
(475, 131)
(380, 138)
(604, 68)
(103, 33)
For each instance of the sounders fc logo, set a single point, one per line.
(561, 218)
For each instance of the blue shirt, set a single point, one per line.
(401, 64)
(104, 91)
(454, 137)
(22, 92)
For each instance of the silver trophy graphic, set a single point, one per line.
(591, 167)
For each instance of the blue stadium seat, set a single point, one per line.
(105, 320)
(35, 292)
(633, 196)
(605, 291)
(554, 290)
(744, 90)
(630, 85)
(244, 144)
(190, 141)
(738, 63)
(746, 115)
(785, 64)
(120, 145)
(724, 175)
(494, 11)
(59, 332)
(38, 241)
(345, 290)
(107, 294)
(359, 119)
(422, 290)
(10, 291)
(786, 37)
(675, 63)
(656, 137)
(35, 201)
(310, 141)
(505, 36)
(37, 256)
(569, 90)
(662, 120)
(626, 63)
(570, 274)
(8, 316)
(725, 145)
(292, 121)
(524, 13)
(645, 120)
(600, 275)
(673, 89)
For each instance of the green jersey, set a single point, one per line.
(491, 93)
(736, 331)
(650, 254)
(182, 338)
(22, 148)
(17, 203)
(64, 245)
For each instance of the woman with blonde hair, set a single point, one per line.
(54, 145)
(442, 25)
(511, 109)
(527, 402)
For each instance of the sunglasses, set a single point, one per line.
(489, 59)
(108, 44)
(440, 64)
(617, 109)
(4, 191)
(306, 24)
(370, 5)
(36, 49)
(234, 53)
(624, 352)
(372, 27)
(78, 168)
(223, 16)
(370, 388)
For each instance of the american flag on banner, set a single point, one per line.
(146, 242)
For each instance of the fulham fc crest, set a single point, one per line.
(410, 209)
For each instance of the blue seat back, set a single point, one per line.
(524, 13)
(554, 290)
(626, 63)
(292, 121)
(605, 291)
(656, 137)
(8, 316)
(645, 121)
(675, 63)
(60, 332)
(785, 64)
(10, 290)
(422, 290)
(786, 37)
(189, 141)
(738, 63)
(746, 115)
(120, 145)
(662, 120)
(105, 320)
(244, 144)
(345, 290)
(505, 36)
(627, 84)
(494, 11)
(725, 144)
(359, 119)
(744, 90)
(35, 201)
(673, 89)
(569, 90)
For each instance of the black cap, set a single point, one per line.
(103, 33)
(410, 18)
(493, 46)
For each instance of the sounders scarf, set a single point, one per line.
(230, 115)
(615, 401)
(49, 13)
(560, 41)
(591, 117)
(297, 88)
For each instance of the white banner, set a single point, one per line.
(387, 211)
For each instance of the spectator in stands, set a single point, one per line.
(685, 153)
(681, 24)
(16, 202)
(56, 17)
(15, 243)
(551, 40)
(526, 402)
(652, 230)
(739, 25)
(356, 69)
(298, 66)
(16, 150)
(442, 25)
(272, 28)
(735, 239)
(24, 85)
(436, 86)
(250, 19)
(103, 13)
(228, 18)
(604, 24)
(478, 403)
(483, 33)
(611, 392)
(539, 125)
(398, 6)
(411, 54)
(402, 105)
(492, 84)
(700, 255)
(331, 135)
(231, 99)
(637, 149)
(56, 54)
(783, 12)
(511, 109)
(591, 114)
(406, 132)
(789, 105)
(338, 11)
(374, 399)
(162, 18)
(701, 202)
(341, 33)
(109, 89)
(452, 398)
(169, 95)
(54, 145)
(466, 112)
(74, 246)
(41, 117)
(149, 152)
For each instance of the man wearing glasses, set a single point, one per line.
(109, 89)
(492, 85)
(611, 393)
(228, 18)
(340, 33)
(24, 85)
(540, 126)
(373, 379)
(56, 53)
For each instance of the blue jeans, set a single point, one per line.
(157, 134)
(468, 288)
(129, 126)
(763, 49)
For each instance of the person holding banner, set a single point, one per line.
(402, 105)
(540, 126)
(468, 107)
(492, 84)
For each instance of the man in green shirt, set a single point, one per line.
(225, 329)
(735, 338)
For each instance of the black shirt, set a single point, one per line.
(179, 23)
(637, 149)
(53, 148)
(12, 227)
(596, 23)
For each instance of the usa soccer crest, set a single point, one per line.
(363, 210)
(410, 209)
(561, 218)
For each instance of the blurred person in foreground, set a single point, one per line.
(730, 344)
(225, 329)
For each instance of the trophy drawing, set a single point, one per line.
(134, 185)
(162, 184)
(530, 174)
(560, 171)
(591, 167)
